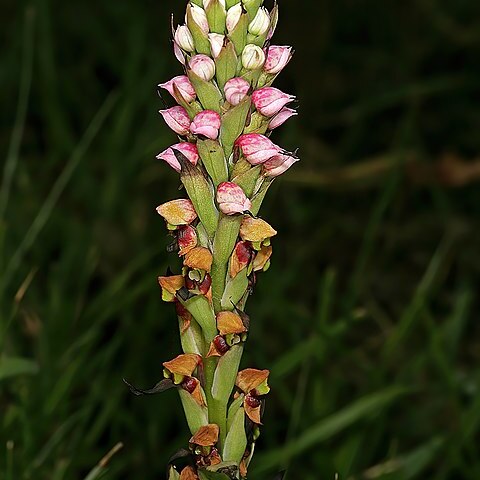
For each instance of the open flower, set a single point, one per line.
(206, 123)
(170, 286)
(177, 119)
(253, 383)
(203, 444)
(279, 164)
(256, 231)
(236, 90)
(270, 100)
(189, 150)
(199, 258)
(180, 88)
(180, 371)
(232, 330)
(256, 148)
(231, 199)
(277, 59)
(177, 213)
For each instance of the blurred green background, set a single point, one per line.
(368, 318)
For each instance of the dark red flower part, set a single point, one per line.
(221, 345)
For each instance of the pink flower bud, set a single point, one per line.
(236, 90)
(203, 67)
(199, 17)
(216, 43)
(270, 100)
(233, 17)
(231, 199)
(177, 119)
(281, 117)
(206, 123)
(184, 39)
(183, 85)
(277, 59)
(279, 164)
(256, 148)
(188, 149)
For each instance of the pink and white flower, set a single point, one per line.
(216, 43)
(281, 117)
(231, 199)
(277, 59)
(189, 150)
(203, 66)
(177, 119)
(183, 86)
(184, 39)
(279, 164)
(206, 123)
(236, 90)
(233, 17)
(270, 100)
(256, 148)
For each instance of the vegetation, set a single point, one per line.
(369, 322)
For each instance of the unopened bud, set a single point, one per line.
(200, 17)
(233, 17)
(216, 43)
(203, 67)
(184, 87)
(177, 119)
(277, 58)
(261, 23)
(236, 90)
(270, 100)
(184, 39)
(206, 123)
(256, 148)
(281, 117)
(253, 57)
(231, 199)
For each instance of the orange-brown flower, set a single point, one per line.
(253, 383)
(232, 329)
(170, 286)
(256, 230)
(199, 258)
(262, 259)
(240, 259)
(189, 473)
(178, 213)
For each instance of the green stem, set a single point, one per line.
(223, 245)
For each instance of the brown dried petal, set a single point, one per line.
(229, 322)
(184, 364)
(199, 258)
(187, 239)
(188, 473)
(240, 259)
(250, 378)
(261, 259)
(253, 413)
(178, 212)
(206, 436)
(256, 230)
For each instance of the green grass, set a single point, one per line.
(368, 315)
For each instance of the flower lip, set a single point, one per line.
(281, 117)
(207, 124)
(279, 164)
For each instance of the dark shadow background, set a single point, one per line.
(368, 317)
